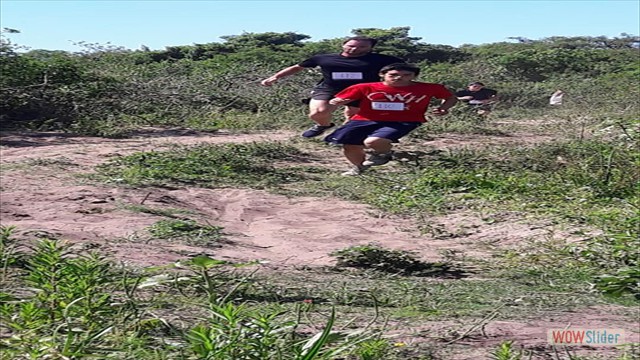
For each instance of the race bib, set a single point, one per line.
(346, 76)
(392, 106)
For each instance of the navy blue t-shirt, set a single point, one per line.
(340, 72)
(482, 94)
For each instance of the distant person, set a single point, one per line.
(478, 97)
(355, 64)
(389, 110)
(556, 98)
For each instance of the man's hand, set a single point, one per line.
(439, 112)
(339, 101)
(269, 81)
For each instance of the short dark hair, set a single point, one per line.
(372, 41)
(402, 67)
(476, 83)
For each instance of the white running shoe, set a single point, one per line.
(376, 159)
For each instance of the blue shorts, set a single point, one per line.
(356, 131)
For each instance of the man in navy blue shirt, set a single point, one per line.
(479, 97)
(355, 64)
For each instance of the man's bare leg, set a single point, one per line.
(320, 111)
(354, 153)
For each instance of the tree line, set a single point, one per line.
(82, 91)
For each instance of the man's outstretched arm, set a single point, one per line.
(282, 73)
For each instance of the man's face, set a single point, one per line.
(398, 77)
(474, 87)
(356, 48)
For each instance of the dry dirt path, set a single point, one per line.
(41, 197)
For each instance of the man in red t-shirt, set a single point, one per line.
(389, 110)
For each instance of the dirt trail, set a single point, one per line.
(40, 197)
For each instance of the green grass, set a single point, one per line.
(460, 121)
(583, 184)
(211, 166)
(57, 163)
(79, 305)
(188, 231)
(433, 298)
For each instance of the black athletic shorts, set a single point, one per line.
(323, 92)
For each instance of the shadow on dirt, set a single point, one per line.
(49, 138)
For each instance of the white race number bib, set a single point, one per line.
(388, 106)
(346, 76)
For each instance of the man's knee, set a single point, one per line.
(319, 114)
(320, 109)
(373, 141)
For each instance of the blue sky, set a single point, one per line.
(57, 25)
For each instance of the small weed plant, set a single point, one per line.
(386, 260)
(186, 230)
(506, 351)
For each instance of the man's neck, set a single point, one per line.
(353, 56)
(399, 85)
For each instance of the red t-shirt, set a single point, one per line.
(380, 102)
